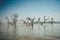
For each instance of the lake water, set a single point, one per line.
(37, 31)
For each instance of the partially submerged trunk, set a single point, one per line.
(44, 30)
(52, 24)
(14, 23)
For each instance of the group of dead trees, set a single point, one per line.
(29, 22)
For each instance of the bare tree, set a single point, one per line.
(8, 23)
(38, 19)
(14, 19)
(44, 20)
(43, 23)
(28, 21)
(31, 20)
(24, 22)
(52, 24)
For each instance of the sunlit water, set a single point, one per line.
(38, 30)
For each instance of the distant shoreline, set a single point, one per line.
(49, 22)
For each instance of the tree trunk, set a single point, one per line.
(32, 24)
(8, 29)
(14, 29)
(52, 28)
(44, 30)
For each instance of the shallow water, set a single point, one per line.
(37, 31)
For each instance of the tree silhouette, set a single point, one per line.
(8, 23)
(31, 20)
(52, 24)
(24, 22)
(44, 25)
(14, 20)
(38, 19)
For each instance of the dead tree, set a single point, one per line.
(32, 21)
(28, 21)
(39, 20)
(24, 22)
(52, 24)
(8, 23)
(44, 25)
(44, 20)
(14, 20)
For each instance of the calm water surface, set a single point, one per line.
(38, 30)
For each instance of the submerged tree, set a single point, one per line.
(31, 20)
(44, 20)
(44, 23)
(14, 20)
(25, 22)
(8, 23)
(39, 20)
(52, 24)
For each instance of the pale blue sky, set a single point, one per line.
(33, 8)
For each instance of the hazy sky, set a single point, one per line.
(33, 8)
